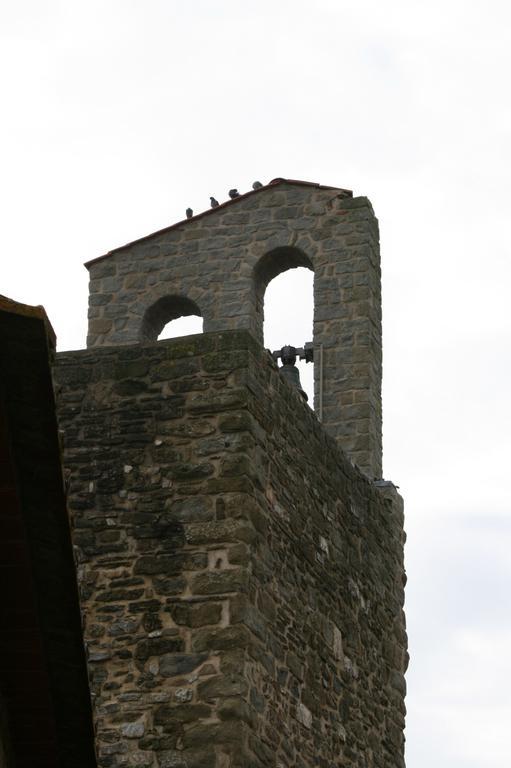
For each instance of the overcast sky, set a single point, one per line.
(118, 114)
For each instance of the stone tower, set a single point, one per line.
(240, 563)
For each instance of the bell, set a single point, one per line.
(289, 370)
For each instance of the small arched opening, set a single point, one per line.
(169, 317)
(284, 293)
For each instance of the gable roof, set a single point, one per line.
(209, 211)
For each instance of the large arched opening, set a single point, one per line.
(169, 317)
(284, 290)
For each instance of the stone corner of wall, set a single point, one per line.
(389, 491)
(361, 201)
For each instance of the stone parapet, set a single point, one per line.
(241, 581)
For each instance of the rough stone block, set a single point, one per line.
(219, 582)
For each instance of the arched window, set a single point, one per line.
(181, 326)
(284, 286)
(169, 317)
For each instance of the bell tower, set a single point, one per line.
(218, 263)
(240, 559)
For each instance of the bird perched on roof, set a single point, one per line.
(256, 185)
(214, 203)
(189, 213)
(233, 193)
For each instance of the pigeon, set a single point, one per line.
(189, 213)
(256, 185)
(214, 203)
(233, 193)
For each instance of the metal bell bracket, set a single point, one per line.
(288, 354)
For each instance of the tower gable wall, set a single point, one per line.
(220, 263)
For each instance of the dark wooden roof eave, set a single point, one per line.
(28, 310)
(43, 673)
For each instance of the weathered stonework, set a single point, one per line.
(241, 582)
(218, 265)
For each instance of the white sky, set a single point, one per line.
(118, 114)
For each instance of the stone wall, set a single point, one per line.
(218, 265)
(241, 581)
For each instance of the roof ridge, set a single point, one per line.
(209, 211)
